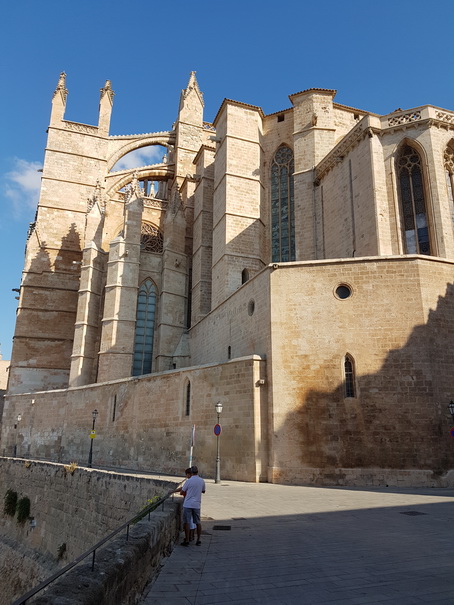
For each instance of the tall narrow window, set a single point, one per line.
(349, 377)
(413, 202)
(188, 399)
(282, 206)
(145, 320)
(449, 169)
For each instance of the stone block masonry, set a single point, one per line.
(70, 513)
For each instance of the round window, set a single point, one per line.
(343, 291)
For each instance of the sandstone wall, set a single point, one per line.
(146, 423)
(395, 327)
(75, 510)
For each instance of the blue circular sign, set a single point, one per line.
(452, 432)
(217, 429)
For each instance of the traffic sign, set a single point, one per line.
(452, 432)
(92, 434)
(217, 429)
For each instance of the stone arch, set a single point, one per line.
(165, 139)
(158, 172)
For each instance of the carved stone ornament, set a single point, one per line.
(107, 90)
(61, 86)
(193, 85)
(96, 198)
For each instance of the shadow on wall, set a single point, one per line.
(43, 337)
(398, 418)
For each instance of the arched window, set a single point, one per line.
(349, 377)
(244, 276)
(188, 398)
(150, 239)
(145, 320)
(449, 169)
(282, 206)
(412, 199)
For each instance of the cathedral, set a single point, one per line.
(295, 267)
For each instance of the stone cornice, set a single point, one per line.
(337, 154)
(170, 134)
(238, 104)
(201, 150)
(325, 91)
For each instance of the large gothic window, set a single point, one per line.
(412, 198)
(449, 169)
(282, 206)
(145, 321)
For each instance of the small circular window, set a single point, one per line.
(343, 291)
(251, 307)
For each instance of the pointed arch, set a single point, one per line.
(145, 324)
(448, 160)
(282, 206)
(412, 199)
(349, 376)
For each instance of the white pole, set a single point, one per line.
(191, 449)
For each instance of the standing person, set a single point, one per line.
(192, 491)
(192, 525)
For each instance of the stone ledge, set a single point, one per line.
(122, 568)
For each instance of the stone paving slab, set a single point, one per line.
(308, 545)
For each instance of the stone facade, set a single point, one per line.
(296, 267)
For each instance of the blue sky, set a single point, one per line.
(378, 55)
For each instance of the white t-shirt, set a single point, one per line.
(193, 487)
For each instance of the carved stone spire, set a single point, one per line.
(61, 87)
(193, 86)
(105, 108)
(107, 90)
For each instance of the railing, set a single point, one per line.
(143, 513)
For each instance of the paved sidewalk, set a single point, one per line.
(309, 545)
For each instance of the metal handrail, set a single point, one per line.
(145, 511)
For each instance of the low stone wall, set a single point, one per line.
(122, 568)
(69, 513)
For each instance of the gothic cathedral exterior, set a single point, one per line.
(297, 267)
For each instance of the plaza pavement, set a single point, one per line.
(312, 545)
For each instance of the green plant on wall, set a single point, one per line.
(10, 503)
(23, 509)
(149, 501)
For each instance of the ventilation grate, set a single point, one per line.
(222, 527)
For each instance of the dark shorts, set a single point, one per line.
(191, 514)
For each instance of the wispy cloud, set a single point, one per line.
(21, 186)
(140, 157)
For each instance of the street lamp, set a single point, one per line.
(218, 408)
(451, 408)
(92, 436)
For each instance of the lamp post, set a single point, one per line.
(218, 408)
(92, 436)
(451, 408)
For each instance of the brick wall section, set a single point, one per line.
(78, 510)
